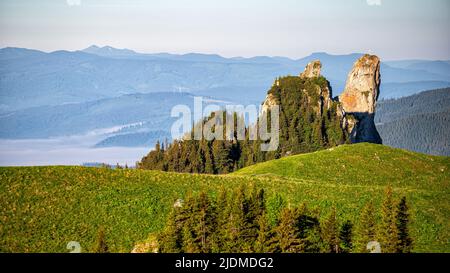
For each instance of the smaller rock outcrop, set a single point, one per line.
(312, 70)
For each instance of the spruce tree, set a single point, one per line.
(235, 238)
(222, 216)
(170, 240)
(205, 223)
(266, 241)
(366, 229)
(345, 237)
(286, 231)
(209, 159)
(309, 231)
(189, 243)
(402, 219)
(388, 235)
(330, 232)
(255, 207)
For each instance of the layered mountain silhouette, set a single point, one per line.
(35, 78)
(96, 84)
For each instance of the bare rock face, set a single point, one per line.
(360, 96)
(268, 103)
(362, 86)
(325, 99)
(312, 70)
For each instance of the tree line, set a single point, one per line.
(244, 221)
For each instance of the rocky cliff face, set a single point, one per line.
(312, 70)
(360, 96)
(355, 107)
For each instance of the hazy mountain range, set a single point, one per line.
(34, 78)
(66, 93)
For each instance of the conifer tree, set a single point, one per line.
(222, 216)
(235, 237)
(209, 160)
(388, 235)
(170, 240)
(366, 228)
(402, 219)
(242, 224)
(309, 231)
(194, 158)
(189, 243)
(205, 223)
(286, 231)
(255, 206)
(266, 241)
(345, 237)
(330, 232)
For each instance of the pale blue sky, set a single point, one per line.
(393, 29)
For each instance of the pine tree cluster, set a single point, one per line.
(244, 222)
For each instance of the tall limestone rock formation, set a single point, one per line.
(359, 99)
(356, 107)
(309, 120)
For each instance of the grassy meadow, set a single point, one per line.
(43, 208)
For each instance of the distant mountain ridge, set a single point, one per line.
(140, 112)
(109, 51)
(32, 78)
(63, 83)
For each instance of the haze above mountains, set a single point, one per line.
(65, 93)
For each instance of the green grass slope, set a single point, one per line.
(43, 208)
(360, 164)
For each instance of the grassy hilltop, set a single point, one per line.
(43, 208)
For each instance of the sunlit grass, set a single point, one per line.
(43, 208)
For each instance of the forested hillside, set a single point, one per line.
(418, 123)
(309, 121)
